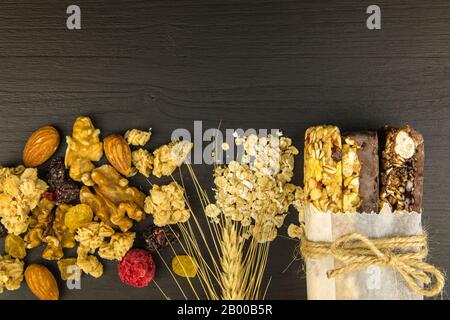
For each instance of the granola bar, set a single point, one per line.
(360, 168)
(402, 169)
(323, 168)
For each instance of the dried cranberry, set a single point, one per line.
(157, 238)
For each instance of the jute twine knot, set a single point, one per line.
(403, 254)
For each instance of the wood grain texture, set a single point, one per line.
(251, 64)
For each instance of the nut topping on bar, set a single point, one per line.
(402, 169)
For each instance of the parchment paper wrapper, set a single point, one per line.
(373, 283)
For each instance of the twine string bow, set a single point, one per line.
(403, 254)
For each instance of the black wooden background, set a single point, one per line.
(251, 64)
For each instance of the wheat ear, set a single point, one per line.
(232, 275)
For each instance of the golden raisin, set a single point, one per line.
(15, 246)
(184, 266)
(78, 216)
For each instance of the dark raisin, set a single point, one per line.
(67, 193)
(157, 238)
(336, 154)
(3, 231)
(65, 190)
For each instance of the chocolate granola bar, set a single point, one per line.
(402, 169)
(360, 168)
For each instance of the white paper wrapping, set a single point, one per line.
(374, 283)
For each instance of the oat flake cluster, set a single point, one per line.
(257, 192)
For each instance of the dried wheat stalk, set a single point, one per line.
(231, 262)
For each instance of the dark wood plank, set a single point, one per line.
(253, 64)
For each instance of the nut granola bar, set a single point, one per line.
(402, 169)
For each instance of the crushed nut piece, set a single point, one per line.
(59, 236)
(83, 147)
(40, 221)
(121, 203)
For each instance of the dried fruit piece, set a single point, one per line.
(137, 137)
(3, 231)
(83, 147)
(137, 268)
(41, 282)
(69, 269)
(118, 153)
(78, 216)
(157, 238)
(15, 246)
(184, 266)
(63, 188)
(41, 145)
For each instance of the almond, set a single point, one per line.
(41, 282)
(118, 153)
(41, 145)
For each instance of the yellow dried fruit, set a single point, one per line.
(41, 282)
(78, 216)
(15, 246)
(184, 266)
(68, 269)
(118, 153)
(41, 145)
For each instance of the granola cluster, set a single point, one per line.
(137, 137)
(257, 191)
(95, 236)
(167, 204)
(20, 192)
(11, 273)
(169, 157)
(143, 161)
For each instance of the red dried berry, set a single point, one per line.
(137, 268)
